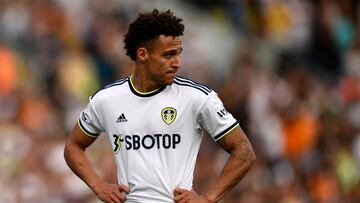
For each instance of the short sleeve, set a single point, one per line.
(215, 119)
(89, 121)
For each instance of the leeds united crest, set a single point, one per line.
(168, 115)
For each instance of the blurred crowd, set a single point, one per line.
(289, 72)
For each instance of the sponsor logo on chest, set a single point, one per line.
(148, 141)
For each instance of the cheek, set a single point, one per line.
(154, 69)
(161, 65)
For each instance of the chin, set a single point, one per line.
(169, 81)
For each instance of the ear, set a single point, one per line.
(142, 54)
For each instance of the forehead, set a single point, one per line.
(168, 42)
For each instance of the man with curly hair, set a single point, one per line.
(155, 120)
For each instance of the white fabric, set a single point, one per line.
(156, 157)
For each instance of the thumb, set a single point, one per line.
(124, 188)
(178, 191)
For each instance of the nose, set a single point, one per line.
(176, 62)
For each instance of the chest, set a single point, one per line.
(150, 115)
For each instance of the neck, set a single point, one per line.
(142, 83)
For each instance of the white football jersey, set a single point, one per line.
(156, 135)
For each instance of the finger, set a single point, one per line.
(106, 199)
(178, 198)
(114, 199)
(184, 200)
(123, 197)
(124, 188)
(179, 191)
(117, 197)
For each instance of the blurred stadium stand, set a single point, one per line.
(288, 70)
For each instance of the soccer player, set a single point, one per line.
(154, 120)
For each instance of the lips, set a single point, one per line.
(172, 72)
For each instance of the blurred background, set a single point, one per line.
(288, 70)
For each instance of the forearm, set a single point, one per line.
(238, 164)
(78, 162)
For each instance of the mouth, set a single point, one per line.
(171, 73)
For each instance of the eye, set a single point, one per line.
(172, 53)
(167, 55)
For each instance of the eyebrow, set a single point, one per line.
(173, 51)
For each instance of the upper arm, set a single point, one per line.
(79, 138)
(237, 144)
(87, 129)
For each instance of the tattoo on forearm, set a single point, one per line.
(243, 151)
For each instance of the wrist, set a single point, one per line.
(96, 186)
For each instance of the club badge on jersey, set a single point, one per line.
(168, 115)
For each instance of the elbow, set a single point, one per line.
(247, 156)
(66, 152)
(252, 159)
(252, 155)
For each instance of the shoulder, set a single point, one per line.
(191, 86)
(110, 89)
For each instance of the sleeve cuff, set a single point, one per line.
(90, 134)
(225, 132)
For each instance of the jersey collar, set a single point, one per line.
(144, 94)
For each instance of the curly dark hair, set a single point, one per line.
(148, 27)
